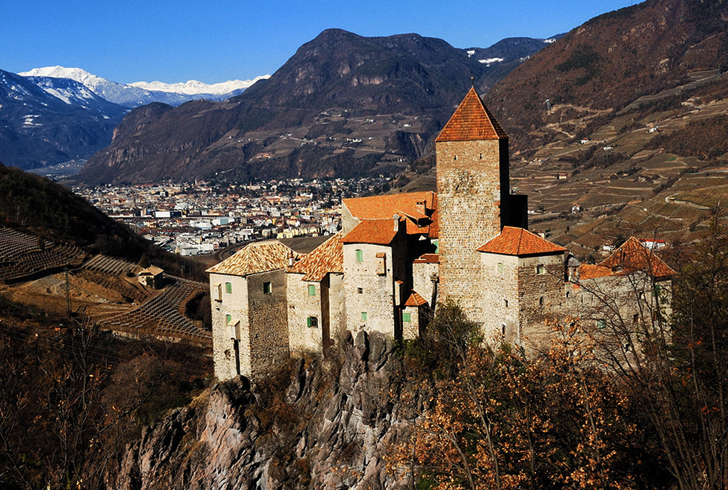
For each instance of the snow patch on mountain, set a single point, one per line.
(490, 61)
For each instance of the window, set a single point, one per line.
(500, 267)
(311, 290)
(455, 158)
(228, 287)
(267, 288)
(359, 290)
(359, 255)
(312, 322)
(540, 269)
(636, 318)
(218, 292)
(505, 303)
(540, 301)
(601, 323)
(228, 319)
(364, 316)
(406, 317)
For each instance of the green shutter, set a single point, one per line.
(228, 287)
(406, 317)
(359, 255)
(228, 319)
(311, 290)
(363, 316)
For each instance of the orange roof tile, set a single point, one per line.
(428, 259)
(375, 231)
(633, 256)
(327, 257)
(471, 121)
(415, 300)
(520, 242)
(591, 271)
(254, 258)
(381, 207)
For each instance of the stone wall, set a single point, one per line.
(268, 322)
(542, 296)
(369, 292)
(422, 280)
(472, 178)
(229, 337)
(337, 306)
(305, 337)
(500, 298)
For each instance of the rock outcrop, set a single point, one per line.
(317, 423)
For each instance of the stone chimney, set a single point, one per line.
(396, 218)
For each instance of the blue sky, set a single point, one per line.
(218, 40)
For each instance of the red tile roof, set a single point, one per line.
(428, 259)
(633, 256)
(376, 231)
(472, 121)
(415, 300)
(384, 207)
(520, 242)
(592, 271)
(327, 257)
(254, 258)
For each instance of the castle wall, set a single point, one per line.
(268, 321)
(305, 335)
(500, 295)
(618, 301)
(472, 178)
(541, 296)
(229, 337)
(367, 291)
(423, 274)
(337, 306)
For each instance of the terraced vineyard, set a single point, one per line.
(162, 317)
(24, 256)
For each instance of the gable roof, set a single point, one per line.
(415, 300)
(520, 242)
(384, 207)
(255, 257)
(327, 257)
(633, 256)
(471, 121)
(376, 231)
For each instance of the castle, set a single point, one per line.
(398, 255)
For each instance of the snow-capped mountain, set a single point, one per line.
(193, 87)
(140, 93)
(77, 94)
(45, 121)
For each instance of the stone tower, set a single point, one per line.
(472, 189)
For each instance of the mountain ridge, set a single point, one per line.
(342, 105)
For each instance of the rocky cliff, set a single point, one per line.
(318, 423)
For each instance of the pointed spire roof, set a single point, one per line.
(472, 121)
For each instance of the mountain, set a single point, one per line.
(51, 122)
(343, 105)
(609, 62)
(203, 90)
(140, 93)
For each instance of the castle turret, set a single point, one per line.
(472, 186)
